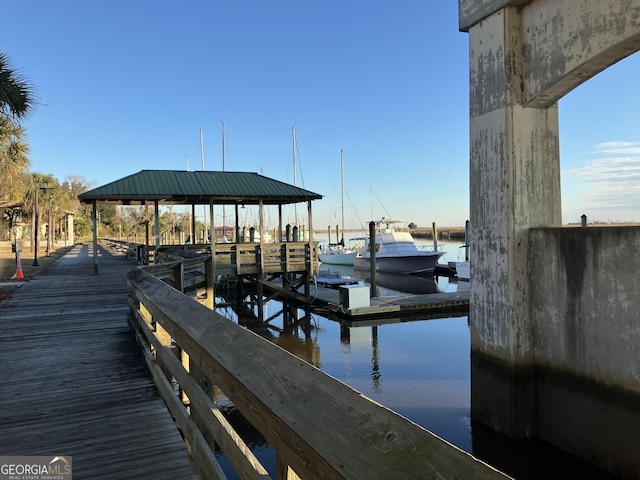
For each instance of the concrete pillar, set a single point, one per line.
(544, 358)
(514, 185)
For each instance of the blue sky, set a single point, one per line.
(127, 85)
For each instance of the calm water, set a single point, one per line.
(420, 369)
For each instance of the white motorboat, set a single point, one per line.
(337, 254)
(396, 252)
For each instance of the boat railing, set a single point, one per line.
(402, 249)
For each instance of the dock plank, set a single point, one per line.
(74, 380)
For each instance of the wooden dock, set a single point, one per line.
(325, 300)
(74, 381)
(394, 308)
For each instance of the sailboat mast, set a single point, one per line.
(224, 212)
(205, 207)
(342, 189)
(293, 137)
(223, 145)
(202, 149)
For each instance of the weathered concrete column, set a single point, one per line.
(551, 340)
(515, 185)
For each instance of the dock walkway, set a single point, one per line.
(74, 381)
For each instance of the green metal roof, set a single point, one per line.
(182, 187)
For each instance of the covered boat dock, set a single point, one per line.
(290, 259)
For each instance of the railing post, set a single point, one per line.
(146, 315)
(210, 283)
(178, 277)
(284, 471)
(237, 258)
(165, 340)
(205, 383)
(184, 360)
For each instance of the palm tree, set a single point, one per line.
(14, 162)
(16, 94)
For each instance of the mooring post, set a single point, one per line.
(466, 240)
(434, 232)
(372, 251)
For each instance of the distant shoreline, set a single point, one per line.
(458, 233)
(444, 233)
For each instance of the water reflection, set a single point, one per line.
(420, 369)
(362, 337)
(389, 284)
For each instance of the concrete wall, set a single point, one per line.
(586, 318)
(585, 291)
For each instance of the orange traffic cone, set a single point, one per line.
(18, 273)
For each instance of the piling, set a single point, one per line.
(372, 251)
(434, 233)
(466, 239)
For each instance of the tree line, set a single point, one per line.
(25, 196)
(29, 198)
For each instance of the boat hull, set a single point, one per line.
(337, 258)
(409, 264)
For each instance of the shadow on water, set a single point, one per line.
(530, 459)
(388, 284)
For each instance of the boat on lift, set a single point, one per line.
(397, 252)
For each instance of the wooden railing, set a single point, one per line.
(233, 258)
(317, 426)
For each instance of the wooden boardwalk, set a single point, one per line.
(73, 380)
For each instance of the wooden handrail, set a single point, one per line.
(319, 427)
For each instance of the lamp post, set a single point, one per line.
(35, 234)
(45, 189)
(50, 226)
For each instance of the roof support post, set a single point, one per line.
(94, 220)
(261, 226)
(280, 223)
(237, 234)
(211, 271)
(213, 228)
(156, 212)
(310, 250)
(310, 216)
(192, 234)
